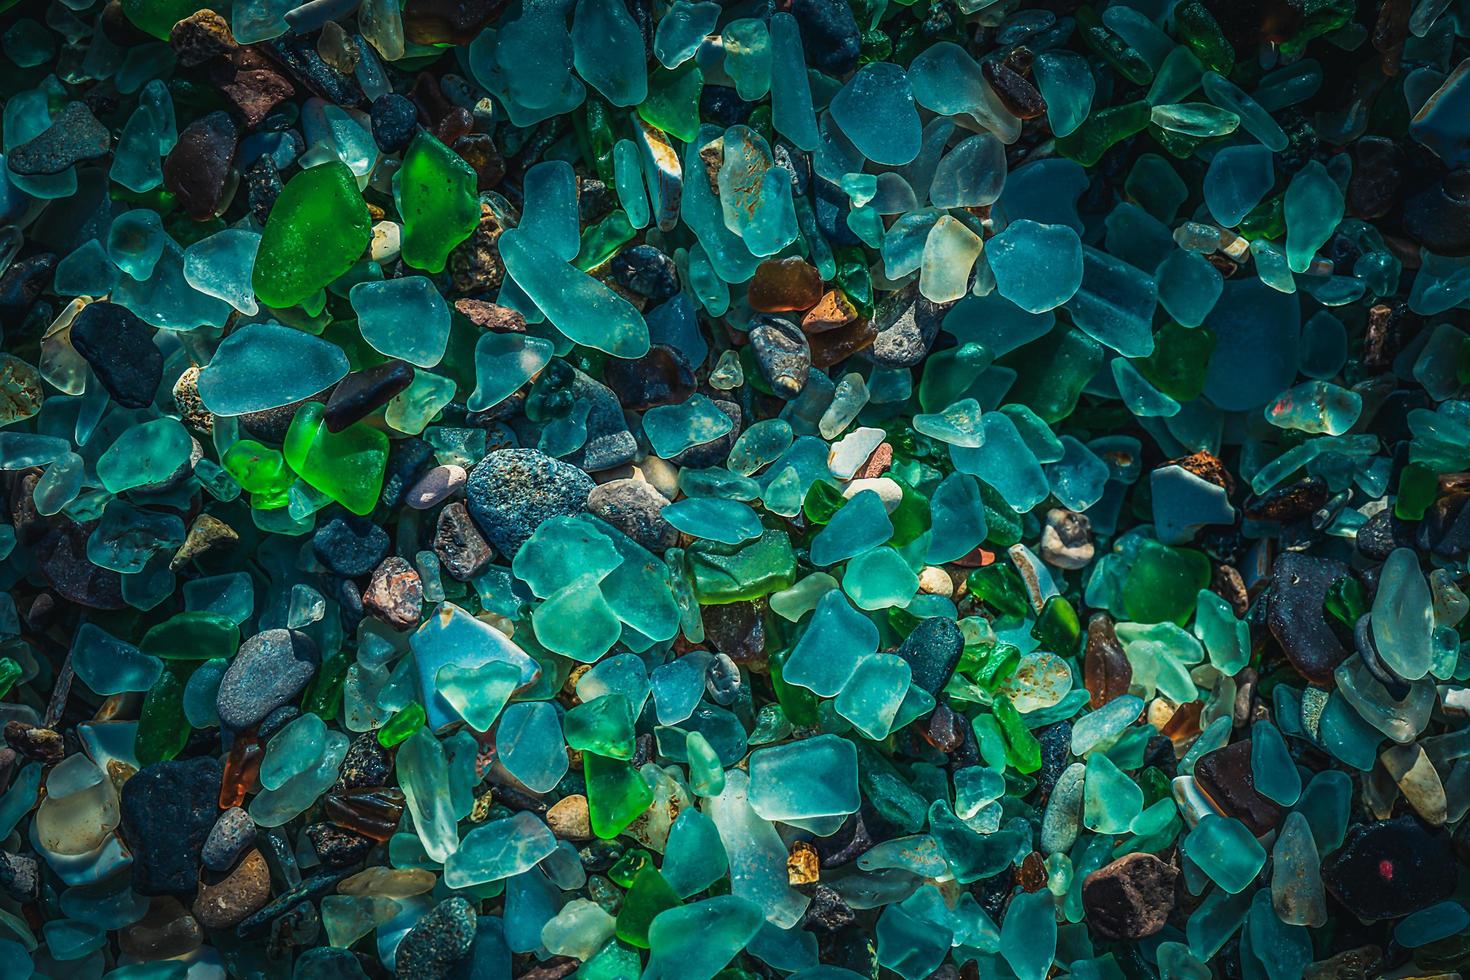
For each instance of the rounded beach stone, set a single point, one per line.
(271, 668)
(512, 491)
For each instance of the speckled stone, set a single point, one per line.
(512, 491)
(441, 938)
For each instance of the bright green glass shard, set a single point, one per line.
(347, 466)
(616, 794)
(435, 189)
(318, 228)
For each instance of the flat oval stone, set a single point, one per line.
(271, 668)
(438, 484)
(120, 348)
(512, 491)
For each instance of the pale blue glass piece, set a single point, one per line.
(245, 373)
(333, 128)
(201, 693)
(628, 180)
(1140, 397)
(1438, 921)
(682, 30)
(231, 595)
(671, 429)
(1067, 83)
(1005, 462)
(973, 174)
(1189, 287)
(503, 363)
(903, 244)
(128, 537)
(879, 579)
(717, 482)
(678, 686)
(860, 525)
(872, 696)
(608, 51)
(806, 779)
(755, 195)
(526, 64)
(452, 636)
(1440, 122)
(1183, 504)
(1028, 935)
(499, 849)
(1272, 766)
(948, 81)
(995, 322)
(747, 45)
(405, 318)
(135, 242)
(1257, 330)
(292, 751)
(110, 666)
(835, 642)
(259, 20)
(1079, 479)
(1442, 283)
(150, 133)
(701, 210)
(1226, 851)
(695, 857)
(1037, 267)
(791, 95)
(958, 424)
(583, 309)
(166, 299)
(1115, 304)
(530, 744)
(85, 272)
(1313, 206)
(1253, 119)
(877, 112)
(1046, 191)
(727, 521)
(223, 266)
(60, 484)
(1403, 616)
(957, 513)
(549, 214)
(1137, 237)
(1238, 179)
(1289, 84)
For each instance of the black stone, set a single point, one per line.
(827, 911)
(20, 876)
(1131, 898)
(350, 546)
(1438, 216)
(1294, 613)
(644, 270)
(74, 136)
(832, 206)
(512, 491)
(120, 349)
(298, 55)
(1382, 533)
(262, 186)
(198, 166)
(363, 392)
(460, 547)
(932, 652)
(61, 557)
(407, 461)
(721, 104)
(336, 846)
(271, 669)
(1445, 529)
(168, 810)
(394, 120)
(441, 939)
(1056, 753)
(366, 764)
(1391, 868)
(829, 35)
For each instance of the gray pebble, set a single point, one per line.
(512, 491)
(271, 668)
(232, 835)
(781, 352)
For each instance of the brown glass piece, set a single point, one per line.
(1106, 671)
(737, 630)
(838, 345)
(448, 21)
(1226, 777)
(784, 285)
(373, 811)
(1016, 93)
(242, 772)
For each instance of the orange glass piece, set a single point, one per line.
(242, 772)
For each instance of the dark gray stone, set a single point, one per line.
(270, 670)
(168, 810)
(512, 491)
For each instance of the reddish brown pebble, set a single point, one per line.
(395, 594)
(489, 316)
